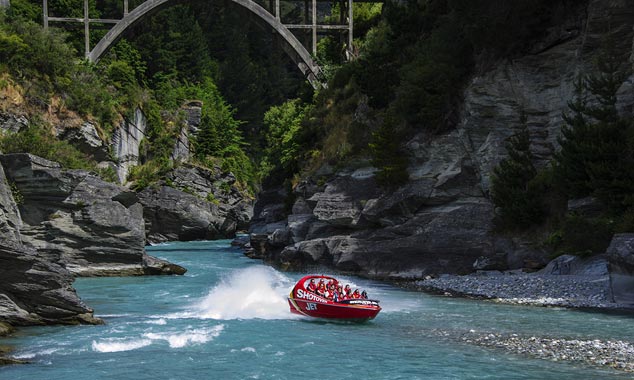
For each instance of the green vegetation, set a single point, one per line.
(283, 124)
(388, 155)
(597, 148)
(578, 235)
(166, 65)
(514, 188)
(38, 139)
(17, 194)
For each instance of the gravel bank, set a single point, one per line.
(573, 291)
(524, 288)
(615, 354)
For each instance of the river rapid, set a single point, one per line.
(228, 318)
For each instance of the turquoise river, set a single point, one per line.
(228, 318)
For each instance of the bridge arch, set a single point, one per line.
(298, 52)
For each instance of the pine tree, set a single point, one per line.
(597, 145)
(387, 154)
(513, 192)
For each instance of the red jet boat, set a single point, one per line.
(305, 302)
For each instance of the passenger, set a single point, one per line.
(311, 286)
(348, 293)
(321, 289)
(364, 295)
(356, 294)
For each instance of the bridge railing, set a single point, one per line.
(310, 20)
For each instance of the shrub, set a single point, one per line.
(148, 174)
(38, 139)
(583, 237)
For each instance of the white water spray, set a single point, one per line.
(255, 292)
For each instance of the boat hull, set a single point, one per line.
(310, 303)
(351, 312)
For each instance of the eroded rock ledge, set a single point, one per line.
(75, 219)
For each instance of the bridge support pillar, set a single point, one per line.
(86, 30)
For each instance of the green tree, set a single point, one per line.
(597, 144)
(513, 186)
(388, 155)
(282, 125)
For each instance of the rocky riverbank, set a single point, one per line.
(614, 354)
(527, 289)
(603, 281)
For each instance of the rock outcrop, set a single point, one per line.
(126, 139)
(86, 138)
(75, 219)
(197, 204)
(621, 264)
(11, 122)
(32, 290)
(193, 116)
(440, 221)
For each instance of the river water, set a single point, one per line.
(228, 318)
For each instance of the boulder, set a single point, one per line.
(490, 263)
(257, 246)
(570, 265)
(621, 258)
(13, 123)
(155, 266)
(86, 138)
(172, 214)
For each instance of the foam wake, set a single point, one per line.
(174, 339)
(119, 344)
(255, 292)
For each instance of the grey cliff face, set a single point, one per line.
(75, 219)
(126, 139)
(539, 85)
(10, 221)
(440, 221)
(32, 290)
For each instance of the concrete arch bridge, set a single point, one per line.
(271, 15)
